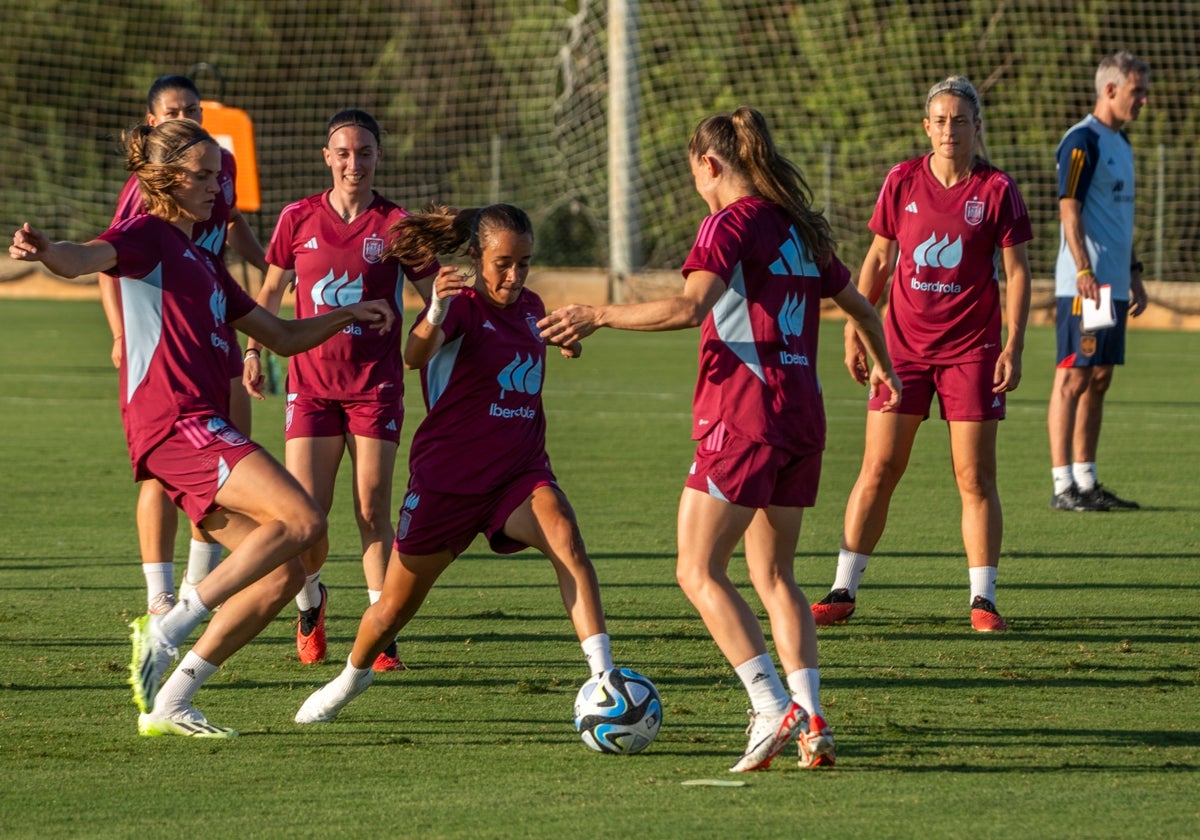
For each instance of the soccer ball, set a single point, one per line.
(618, 711)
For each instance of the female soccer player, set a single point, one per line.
(347, 394)
(939, 223)
(170, 98)
(478, 462)
(754, 281)
(180, 308)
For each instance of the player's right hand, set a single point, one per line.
(252, 375)
(29, 244)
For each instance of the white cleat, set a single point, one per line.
(769, 735)
(189, 722)
(323, 705)
(149, 663)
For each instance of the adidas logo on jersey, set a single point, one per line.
(312, 244)
(911, 207)
(487, 325)
(391, 426)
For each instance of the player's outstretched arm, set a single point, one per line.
(575, 322)
(290, 337)
(68, 259)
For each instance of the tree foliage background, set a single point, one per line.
(503, 100)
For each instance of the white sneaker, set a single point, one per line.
(769, 735)
(162, 603)
(324, 704)
(149, 663)
(189, 722)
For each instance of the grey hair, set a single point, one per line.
(960, 87)
(1116, 68)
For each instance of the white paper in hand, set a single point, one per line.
(1099, 316)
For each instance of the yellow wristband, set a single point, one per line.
(1082, 272)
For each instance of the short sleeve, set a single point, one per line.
(1077, 158)
(883, 217)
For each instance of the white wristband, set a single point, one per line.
(438, 307)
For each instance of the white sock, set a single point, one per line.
(178, 624)
(310, 595)
(1063, 478)
(597, 650)
(350, 675)
(1085, 475)
(762, 683)
(850, 570)
(805, 685)
(160, 577)
(983, 582)
(203, 557)
(177, 692)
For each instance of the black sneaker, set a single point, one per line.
(834, 608)
(1072, 499)
(1102, 496)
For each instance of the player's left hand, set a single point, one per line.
(1138, 299)
(1007, 375)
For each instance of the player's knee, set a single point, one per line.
(692, 578)
(306, 526)
(374, 517)
(1100, 381)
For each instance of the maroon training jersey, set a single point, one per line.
(209, 234)
(944, 304)
(483, 392)
(758, 346)
(177, 303)
(338, 263)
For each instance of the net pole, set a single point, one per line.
(623, 226)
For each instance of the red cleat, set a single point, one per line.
(310, 634)
(834, 608)
(984, 617)
(389, 660)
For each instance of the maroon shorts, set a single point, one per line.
(752, 474)
(193, 462)
(309, 417)
(432, 522)
(964, 390)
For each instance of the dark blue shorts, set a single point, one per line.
(1077, 348)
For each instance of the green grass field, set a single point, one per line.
(1083, 721)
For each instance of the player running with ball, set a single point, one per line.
(478, 462)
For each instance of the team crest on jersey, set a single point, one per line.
(1087, 345)
(216, 305)
(373, 249)
(973, 212)
(532, 321)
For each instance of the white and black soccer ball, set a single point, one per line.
(618, 711)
